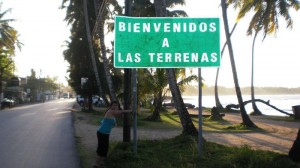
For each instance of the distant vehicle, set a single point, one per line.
(66, 95)
(80, 99)
(7, 103)
(96, 100)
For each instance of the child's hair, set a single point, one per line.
(116, 102)
(113, 102)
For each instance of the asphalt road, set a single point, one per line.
(38, 136)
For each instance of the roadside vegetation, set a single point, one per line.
(182, 151)
(170, 120)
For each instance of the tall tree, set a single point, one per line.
(256, 111)
(8, 41)
(246, 120)
(186, 121)
(158, 81)
(295, 149)
(77, 52)
(103, 12)
(265, 19)
(91, 48)
(266, 14)
(217, 100)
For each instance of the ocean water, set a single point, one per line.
(283, 102)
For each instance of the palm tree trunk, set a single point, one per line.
(158, 106)
(246, 120)
(185, 118)
(89, 37)
(295, 149)
(155, 116)
(256, 111)
(217, 100)
(112, 92)
(99, 28)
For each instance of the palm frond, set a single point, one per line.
(172, 3)
(283, 11)
(177, 13)
(295, 4)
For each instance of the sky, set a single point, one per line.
(43, 31)
(276, 57)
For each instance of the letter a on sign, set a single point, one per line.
(165, 43)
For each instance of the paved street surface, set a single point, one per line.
(38, 136)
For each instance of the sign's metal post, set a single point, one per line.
(134, 83)
(200, 140)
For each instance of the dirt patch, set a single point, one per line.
(279, 135)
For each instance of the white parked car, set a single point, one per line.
(7, 103)
(98, 101)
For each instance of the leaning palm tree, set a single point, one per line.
(102, 13)
(245, 118)
(91, 49)
(265, 19)
(266, 14)
(295, 149)
(256, 111)
(185, 119)
(217, 100)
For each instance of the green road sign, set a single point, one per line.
(166, 42)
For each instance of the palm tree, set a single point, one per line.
(217, 100)
(92, 54)
(295, 149)
(267, 13)
(8, 40)
(157, 80)
(8, 35)
(186, 121)
(256, 111)
(246, 120)
(77, 52)
(265, 19)
(102, 14)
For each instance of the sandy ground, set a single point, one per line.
(279, 135)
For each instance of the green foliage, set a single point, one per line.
(77, 50)
(170, 120)
(182, 152)
(266, 14)
(8, 41)
(242, 127)
(215, 118)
